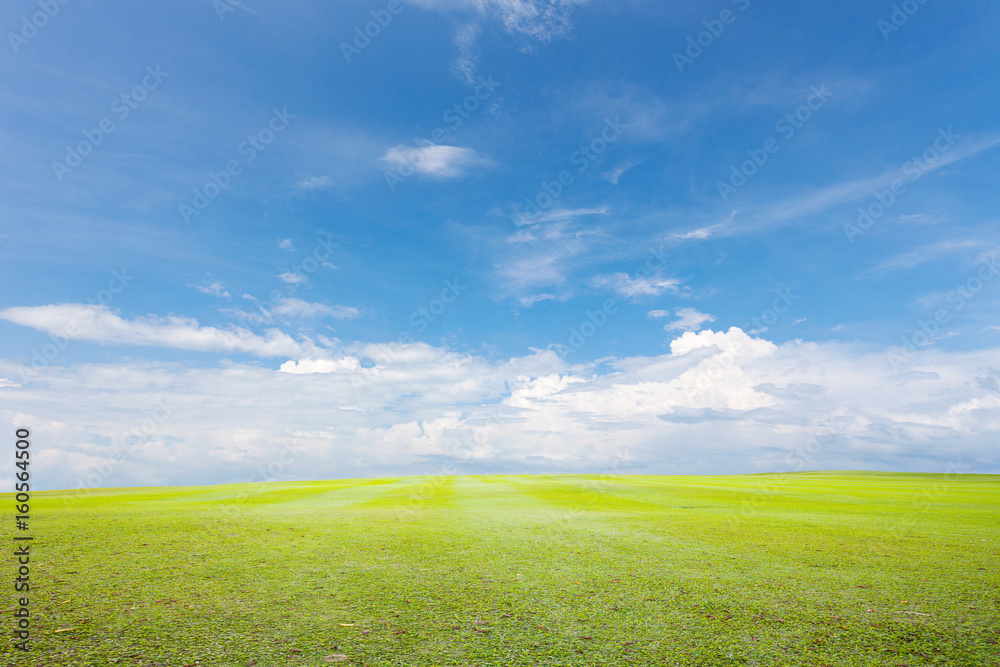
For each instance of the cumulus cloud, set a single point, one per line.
(719, 401)
(434, 161)
(99, 324)
(286, 244)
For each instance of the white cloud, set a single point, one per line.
(98, 324)
(292, 278)
(434, 161)
(536, 259)
(292, 307)
(315, 183)
(311, 366)
(613, 175)
(286, 244)
(699, 234)
(731, 342)
(540, 20)
(632, 287)
(717, 402)
(688, 319)
(558, 215)
(532, 299)
(214, 289)
(540, 269)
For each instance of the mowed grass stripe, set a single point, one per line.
(520, 570)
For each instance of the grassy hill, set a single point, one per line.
(832, 568)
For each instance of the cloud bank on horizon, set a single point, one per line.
(439, 236)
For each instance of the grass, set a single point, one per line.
(833, 568)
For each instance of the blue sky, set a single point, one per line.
(498, 235)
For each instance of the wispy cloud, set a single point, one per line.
(286, 244)
(612, 175)
(291, 307)
(540, 20)
(98, 324)
(560, 215)
(847, 192)
(287, 308)
(921, 219)
(214, 289)
(927, 253)
(632, 287)
(315, 183)
(688, 319)
(434, 161)
(699, 234)
(541, 254)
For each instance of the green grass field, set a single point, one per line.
(804, 569)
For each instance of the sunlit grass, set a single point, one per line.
(804, 569)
